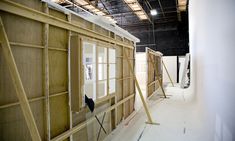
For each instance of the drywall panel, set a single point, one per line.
(141, 75)
(212, 62)
(181, 67)
(171, 65)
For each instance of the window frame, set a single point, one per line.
(97, 45)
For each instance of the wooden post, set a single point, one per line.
(24, 103)
(69, 79)
(123, 105)
(46, 74)
(115, 98)
(167, 73)
(139, 90)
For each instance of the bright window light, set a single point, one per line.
(153, 12)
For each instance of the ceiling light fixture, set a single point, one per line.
(137, 9)
(153, 12)
(81, 2)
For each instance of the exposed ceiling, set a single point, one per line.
(171, 18)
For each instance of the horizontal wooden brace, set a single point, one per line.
(36, 46)
(57, 49)
(80, 126)
(125, 58)
(155, 81)
(103, 99)
(20, 10)
(32, 100)
(119, 79)
(25, 45)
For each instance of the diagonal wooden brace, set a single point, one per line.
(167, 73)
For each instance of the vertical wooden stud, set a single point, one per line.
(46, 74)
(69, 79)
(123, 105)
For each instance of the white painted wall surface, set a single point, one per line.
(171, 65)
(181, 67)
(212, 46)
(141, 72)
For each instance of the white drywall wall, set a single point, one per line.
(171, 65)
(181, 67)
(141, 66)
(212, 48)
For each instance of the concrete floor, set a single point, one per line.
(178, 118)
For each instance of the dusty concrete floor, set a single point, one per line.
(178, 118)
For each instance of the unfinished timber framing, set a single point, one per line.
(154, 72)
(24, 103)
(45, 53)
(150, 121)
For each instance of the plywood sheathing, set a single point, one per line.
(154, 71)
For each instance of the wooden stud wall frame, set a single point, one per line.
(46, 46)
(154, 71)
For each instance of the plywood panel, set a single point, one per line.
(20, 29)
(13, 126)
(126, 92)
(77, 118)
(119, 51)
(58, 72)
(7, 91)
(79, 21)
(59, 115)
(118, 38)
(29, 63)
(29, 66)
(57, 14)
(34, 4)
(101, 30)
(154, 72)
(58, 38)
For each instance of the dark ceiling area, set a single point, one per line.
(166, 32)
